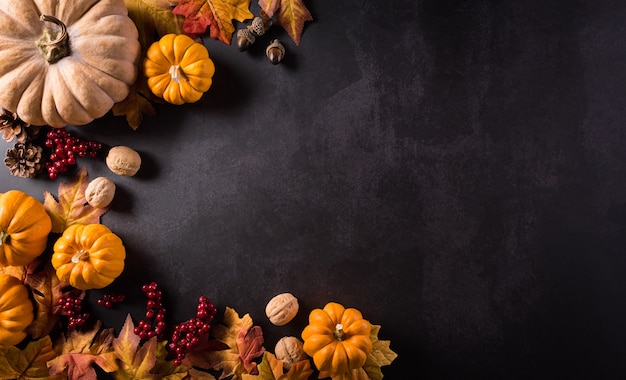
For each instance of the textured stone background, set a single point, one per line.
(454, 169)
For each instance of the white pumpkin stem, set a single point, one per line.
(54, 44)
(4, 237)
(82, 254)
(339, 332)
(177, 74)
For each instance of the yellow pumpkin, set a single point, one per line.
(178, 69)
(65, 62)
(16, 310)
(24, 228)
(88, 256)
(338, 339)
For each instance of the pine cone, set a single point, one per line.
(12, 127)
(23, 160)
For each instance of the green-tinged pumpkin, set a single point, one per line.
(24, 228)
(65, 62)
(338, 339)
(16, 310)
(88, 256)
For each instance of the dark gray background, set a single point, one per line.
(454, 169)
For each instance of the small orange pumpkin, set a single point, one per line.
(88, 256)
(24, 228)
(338, 339)
(16, 310)
(178, 69)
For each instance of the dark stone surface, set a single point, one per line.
(454, 169)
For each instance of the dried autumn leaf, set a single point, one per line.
(194, 374)
(154, 19)
(272, 368)
(198, 356)
(250, 346)
(229, 360)
(217, 15)
(136, 360)
(46, 290)
(80, 350)
(166, 368)
(381, 355)
(29, 363)
(72, 206)
(292, 14)
(134, 106)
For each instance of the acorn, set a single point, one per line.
(275, 52)
(247, 36)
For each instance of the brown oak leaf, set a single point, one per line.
(72, 206)
(29, 363)
(291, 15)
(216, 15)
(80, 349)
(272, 368)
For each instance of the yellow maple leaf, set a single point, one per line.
(80, 349)
(72, 206)
(136, 359)
(29, 363)
(291, 15)
(229, 360)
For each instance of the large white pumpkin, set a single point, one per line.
(45, 85)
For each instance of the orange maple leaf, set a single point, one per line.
(72, 205)
(217, 15)
(292, 14)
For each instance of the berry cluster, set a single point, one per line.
(108, 300)
(72, 306)
(65, 149)
(154, 322)
(186, 335)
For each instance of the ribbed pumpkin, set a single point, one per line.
(16, 310)
(88, 256)
(24, 228)
(178, 69)
(338, 339)
(65, 62)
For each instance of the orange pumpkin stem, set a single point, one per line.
(54, 44)
(339, 332)
(83, 255)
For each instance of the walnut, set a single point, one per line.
(282, 309)
(100, 192)
(289, 349)
(123, 161)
